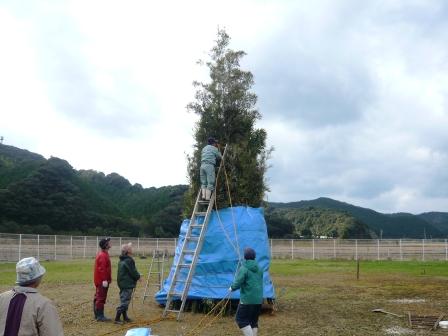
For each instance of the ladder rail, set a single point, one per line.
(196, 250)
(148, 277)
(160, 269)
(196, 256)
(179, 261)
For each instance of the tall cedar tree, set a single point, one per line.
(227, 111)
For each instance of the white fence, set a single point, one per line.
(13, 247)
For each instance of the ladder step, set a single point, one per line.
(189, 251)
(203, 202)
(172, 311)
(192, 238)
(200, 213)
(180, 281)
(196, 226)
(184, 265)
(176, 293)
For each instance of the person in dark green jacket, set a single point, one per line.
(249, 280)
(127, 278)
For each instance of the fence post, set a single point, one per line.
(38, 247)
(85, 243)
(138, 245)
(334, 248)
(378, 250)
(71, 247)
(292, 248)
(157, 244)
(313, 249)
(20, 246)
(446, 251)
(401, 252)
(356, 249)
(97, 242)
(55, 247)
(423, 249)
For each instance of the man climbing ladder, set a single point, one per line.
(210, 156)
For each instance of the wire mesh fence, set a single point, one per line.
(14, 247)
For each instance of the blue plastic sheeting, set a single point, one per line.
(219, 257)
(139, 332)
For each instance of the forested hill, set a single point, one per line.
(49, 196)
(400, 225)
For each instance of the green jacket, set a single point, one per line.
(210, 154)
(127, 274)
(250, 280)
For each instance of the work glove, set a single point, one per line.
(105, 284)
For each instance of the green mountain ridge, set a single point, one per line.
(49, 196)
(398, 225)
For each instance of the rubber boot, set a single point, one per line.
(95, 312)
(126, 317)
(118, 318)
(203, 193)
(254, 331)
(101, 317)
(247, 331)
(208, 194)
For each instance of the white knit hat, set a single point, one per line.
(28, 270)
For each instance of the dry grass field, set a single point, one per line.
(314, 298)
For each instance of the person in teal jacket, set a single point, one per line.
(249, 280)
(127, 278)
(210, 155)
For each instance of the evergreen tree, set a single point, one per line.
(227, 109)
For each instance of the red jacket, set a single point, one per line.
(103, 269)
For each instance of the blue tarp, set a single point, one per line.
(218, 259)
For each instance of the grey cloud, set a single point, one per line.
(316, 81)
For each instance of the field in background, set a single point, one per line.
(314, 298)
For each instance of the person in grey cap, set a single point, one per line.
(23, 311)
(210, 155)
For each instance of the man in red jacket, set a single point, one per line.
(102, 279)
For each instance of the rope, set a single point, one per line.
(203, 323)
(233, 215)
(236, 248)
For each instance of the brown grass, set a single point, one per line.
(333, 303)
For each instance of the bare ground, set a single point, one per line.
(321, 304)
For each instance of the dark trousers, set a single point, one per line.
(125, 299)
(247, 314)
(100, 297)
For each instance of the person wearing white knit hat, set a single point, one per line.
(23, 311)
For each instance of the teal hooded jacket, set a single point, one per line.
(249, 280)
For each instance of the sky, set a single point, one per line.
(353, 94)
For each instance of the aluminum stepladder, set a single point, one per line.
(159, 259)
(191, 248)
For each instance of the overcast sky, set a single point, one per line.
(354, 94)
